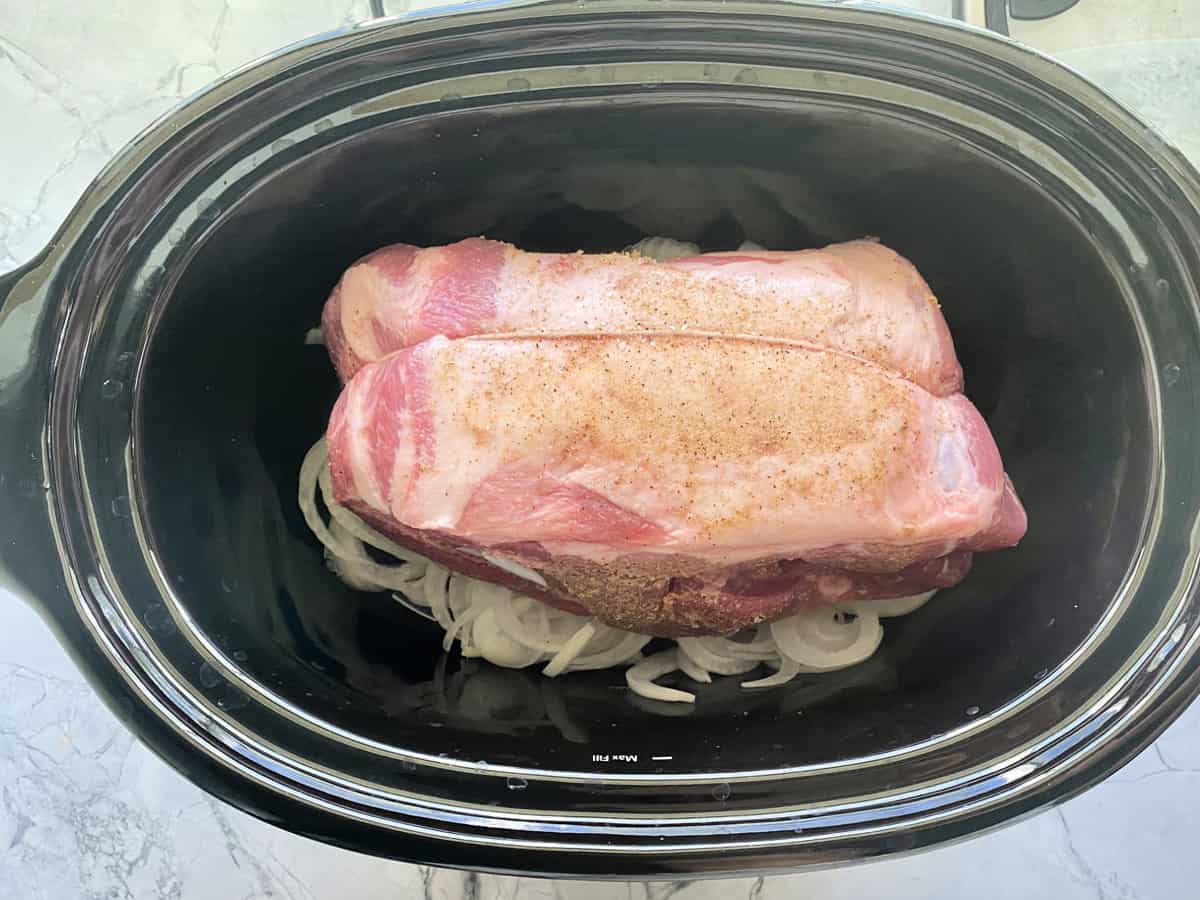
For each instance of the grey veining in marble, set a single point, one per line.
(87, 812)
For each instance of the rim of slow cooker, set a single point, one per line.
(136, 657)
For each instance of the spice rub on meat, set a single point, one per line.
(670, 482)
(858, 297)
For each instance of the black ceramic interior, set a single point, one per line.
(153, 439)
(233, 397)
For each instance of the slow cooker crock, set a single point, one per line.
(158, 395)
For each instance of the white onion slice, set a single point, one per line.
(514, 614)
(893, 606)
(310, 475)
(497, 647)
(788, 669)
(627, 648)
(349, 547)
(466, 644)
(362, 530)
(346, 558)
(693, 669)
(434, 590)
(345, 550)
(816, 639)
(345, 570)
(640, 678)
(459, 624)
(369, 575)
(702, 655)
(571, 649)
(758, 650)
(461, 598)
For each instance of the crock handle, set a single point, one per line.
(29, 565)
(996, 14)
(991, 14)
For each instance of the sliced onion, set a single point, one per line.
(512, 613)
(606, 638)
(758, 650)
(344, 570)
(640, 678)
(750, 247)
(466, 644)
(893, 606)
(310, 474)
(761, 640)
(816, 639)
(788, 669)
(347, 519)
(568, 651)
(391, 578)
(433, 591)
(361, 529)
(460, 623)
(347, 556)
(349, 547)
(351, 560)
(627, 648)
(497, 647)
(460, 598)
(703, 655)
(692, 669)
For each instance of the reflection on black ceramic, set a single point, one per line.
(161, 439)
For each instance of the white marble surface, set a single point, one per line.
(87, 812)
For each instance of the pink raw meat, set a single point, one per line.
(671, 483)
(859, 297)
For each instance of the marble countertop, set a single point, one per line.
(88, 812)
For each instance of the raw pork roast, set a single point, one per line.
(676, 483)
(859, 297)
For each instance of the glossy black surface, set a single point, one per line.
(166, 397)
(1043, 332)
